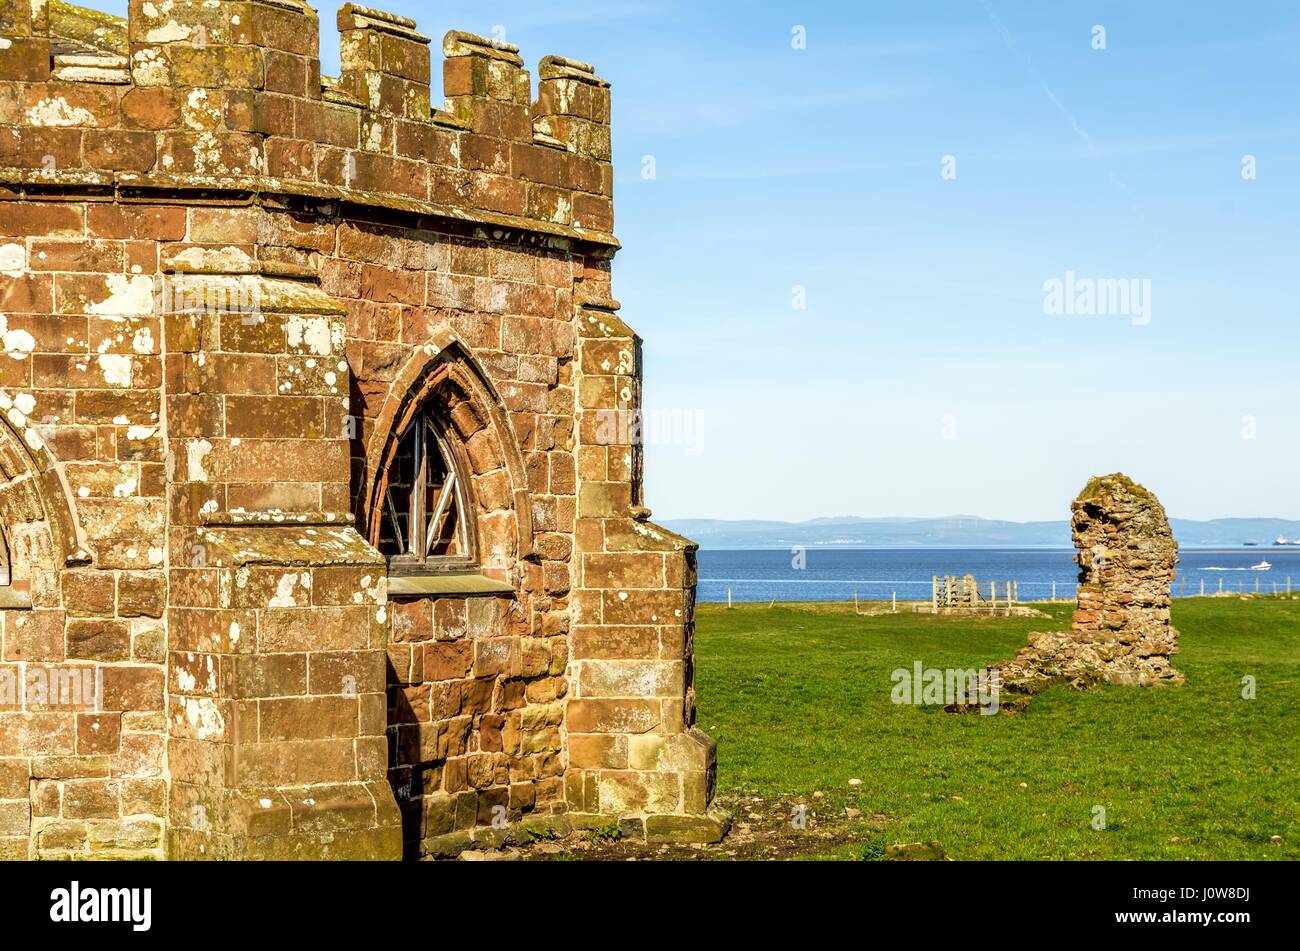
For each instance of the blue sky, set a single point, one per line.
(923, 376)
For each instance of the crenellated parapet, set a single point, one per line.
(206, 96)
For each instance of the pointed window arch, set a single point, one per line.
(426, 524)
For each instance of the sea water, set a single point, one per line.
(877, 574)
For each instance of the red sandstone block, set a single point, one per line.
(71, 104)
(33, 636)
(593, 212)
(37, 734)
(211, 631)
(27, 59)
(88, 592)
(268, 675)
(119, 150)
(536, 163)
(286, 72)
(98, 733)
(151, 107)
(632, 570)
(215, 66)
(412, 620)
(28, 293)
(133, 688)
(99, 639)
(448, 660)
(232, 374)
(308, 717)
(499, 193)
(613, 716)
(346, 673)
(43, 148)
(105, 406)
(111, 220)
(223, 225)
(449, 186)
(317, 628)
(44, 219)
(379, 284)
(231, 153)
(141, 594)
(288, 417)
(81, 255)
(290, 158)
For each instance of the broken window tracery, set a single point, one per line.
(423, 526)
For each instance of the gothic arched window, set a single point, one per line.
(424, 523)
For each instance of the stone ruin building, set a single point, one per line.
(1120, 633)
(321, 511)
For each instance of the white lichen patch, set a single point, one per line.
(58, 112)
(284, 597)
(149, 69)
(314, 333)
(204, 718)
(128, 297)
(198, 113)
(13, 259)
(168, 33)
(116, 369)
(195, 453)
(17, 343)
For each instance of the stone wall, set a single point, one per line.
(226, 284)
(1120, 632)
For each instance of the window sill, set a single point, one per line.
(408, 585)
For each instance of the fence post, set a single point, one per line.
(934, 594)
(894, 602)
(1202, 587)
(728, 599)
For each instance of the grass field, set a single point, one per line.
(798, 698)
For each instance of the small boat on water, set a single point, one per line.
(1262, 566)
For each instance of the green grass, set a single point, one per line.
(798, 699)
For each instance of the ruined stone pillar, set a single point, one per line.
(1120, 633)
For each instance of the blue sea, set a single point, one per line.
(877, 574)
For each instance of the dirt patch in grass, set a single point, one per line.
(761, 829)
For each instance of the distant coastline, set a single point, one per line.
(965, 532)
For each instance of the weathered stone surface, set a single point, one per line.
(1120, 633)
(200, 403)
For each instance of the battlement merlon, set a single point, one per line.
(200, 95)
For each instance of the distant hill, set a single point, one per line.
(956, 531)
